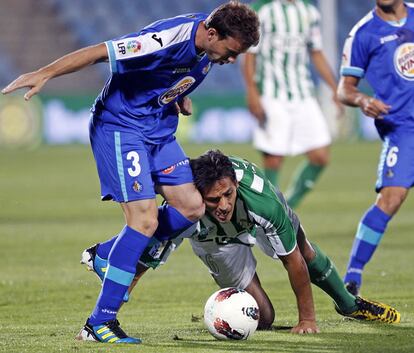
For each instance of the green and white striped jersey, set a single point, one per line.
(289, 29)
(258, 204)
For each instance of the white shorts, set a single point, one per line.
(292, 127)
(233, 264)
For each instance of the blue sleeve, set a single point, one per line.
(133, 53)
(355, 55)
(147, 49)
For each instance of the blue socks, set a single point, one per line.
(370, 231)
(170, 222)
(122, 262)
(123, 253)
(104, 249)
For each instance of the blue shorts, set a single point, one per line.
(396, 165)
(129, 168)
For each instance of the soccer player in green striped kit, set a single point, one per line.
(243, 209)
(280, 92)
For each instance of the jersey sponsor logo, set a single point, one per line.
(178, 89)
(404, 61)
(133, 46)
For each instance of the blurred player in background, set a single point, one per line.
(280, 92)
(381, 48)
(242, 209)
(132, 133)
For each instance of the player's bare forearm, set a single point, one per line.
(301, 285)
(253, 96)
(248, 69)
(71, 62)
(349, 94)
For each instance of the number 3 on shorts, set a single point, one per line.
(392, 156)
(136, 168)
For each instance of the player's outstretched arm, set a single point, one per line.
(349, 94)
(66, 64)
(299, 279)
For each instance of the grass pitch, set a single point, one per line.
(50, 211)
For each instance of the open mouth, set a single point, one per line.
(222, 216)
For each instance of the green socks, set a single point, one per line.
(303, 181)
(323, 274)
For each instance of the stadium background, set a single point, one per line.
(50, 208)
(34, 32)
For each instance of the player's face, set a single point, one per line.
(388, 4)
(221, 199)
(222, 51)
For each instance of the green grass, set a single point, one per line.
(50, 211)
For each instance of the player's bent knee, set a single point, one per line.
(390, 202)
(198, 212)
(194, 209)
(145, 226)
(267, 317)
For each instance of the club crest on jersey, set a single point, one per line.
(206, 69)
(133, 46)
(179, 88)
(404, 61)
(137, 187)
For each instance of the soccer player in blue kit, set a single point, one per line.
(132, 133)
(381, 48)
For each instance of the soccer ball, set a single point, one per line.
(231, 314)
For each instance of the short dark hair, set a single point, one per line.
(210, 167)
(237, 20)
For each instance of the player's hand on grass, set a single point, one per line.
(305, 327)
(374, 108)
(184, 106)
(32, 80)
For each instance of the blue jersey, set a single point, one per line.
(150, 71)
(384, 54)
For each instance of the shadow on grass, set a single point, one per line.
(385, 338)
